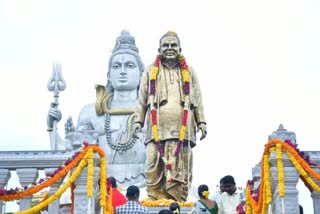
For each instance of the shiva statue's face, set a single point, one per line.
(169, 48)
(124, 73)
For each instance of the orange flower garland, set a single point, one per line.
(47, 183)
(265, 197)
(85, 156)
(61, 190)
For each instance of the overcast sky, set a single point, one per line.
(258, 64)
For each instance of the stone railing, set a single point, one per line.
(27, 165)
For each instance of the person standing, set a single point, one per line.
(204, 205)
(174, 208)
(117, 197)
(216, 196)
(133, 205)
(231, 198)
(170, 104)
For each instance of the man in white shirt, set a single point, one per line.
(231, 198)
(216, 196)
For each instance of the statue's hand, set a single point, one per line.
(53, 114)
(68, 126)
(203, 128)
(135, 129)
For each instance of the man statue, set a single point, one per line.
(171, 106)
(109, 121)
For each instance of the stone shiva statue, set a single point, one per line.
(109, 121)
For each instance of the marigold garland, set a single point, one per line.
(148, 202)
(267, 179)
(47, 183)
(90, 173)
(152, 92)
(248, 205)
(85, 156)
(264, 196)
(280, 170)
(303, 173)
(61, 190)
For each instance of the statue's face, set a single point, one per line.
(169, 47)
(124, 73)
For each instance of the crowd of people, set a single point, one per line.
(228, 200)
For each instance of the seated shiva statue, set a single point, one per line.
(109, 121)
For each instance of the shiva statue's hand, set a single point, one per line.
(53, 114)
(68, 126)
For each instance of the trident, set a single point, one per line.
(56, 83)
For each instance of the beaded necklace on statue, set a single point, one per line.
(186, 91)
(118, 144)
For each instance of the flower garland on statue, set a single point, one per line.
(152, 92)
(163, 202)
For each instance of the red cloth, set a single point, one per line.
(117, 198)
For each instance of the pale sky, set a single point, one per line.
(258, 64)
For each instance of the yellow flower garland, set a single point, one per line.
(103, 187)
(248, 205)
(303, 173)
(265, 197)
(267, 179)
(88, 157)
(280, 170)
(90, 173)
(61, 190)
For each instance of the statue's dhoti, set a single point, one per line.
(181, 173)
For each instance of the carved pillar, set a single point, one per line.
(54, 206)
(291, 176)
(256, 175)
(26, 177)
(316, 195)
(316, 201)
(4, 177)
(291, 200)
(80, 192)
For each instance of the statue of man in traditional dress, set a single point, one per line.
(109, 121)
(170, 104)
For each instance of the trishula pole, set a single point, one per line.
(55, 84)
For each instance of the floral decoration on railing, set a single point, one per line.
(259, 201)
(148, 202)
(79, 160)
